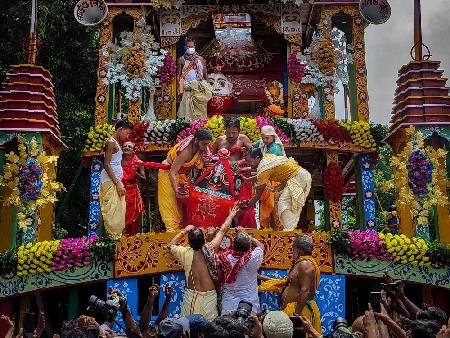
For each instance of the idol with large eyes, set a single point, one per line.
(220, 84)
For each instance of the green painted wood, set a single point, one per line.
(17, 285)
(406, 272)
(73, 303)
(321, 102)
(111, 101)
(326, 214)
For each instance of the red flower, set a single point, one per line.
(333, 182)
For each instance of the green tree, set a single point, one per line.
(70, 52)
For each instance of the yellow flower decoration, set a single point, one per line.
(360, 133)
(97, 137)
(407, 250)
(250, 128)
(216, 126)
(36, 258)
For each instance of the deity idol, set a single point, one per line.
(274, 99)
(223, 95)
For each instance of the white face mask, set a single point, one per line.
(190, 51)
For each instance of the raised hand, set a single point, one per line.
(153, 291)
(168, 291)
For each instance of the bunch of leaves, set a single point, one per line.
(177, 127)
(8, 263)
(439, 254)
(379, 133)
(103, 249)
(340, 242)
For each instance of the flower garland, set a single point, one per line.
(250, 128)
(36, 258)
(367, 245)
(419, 203)
(333, 182)
(272, 97)
(296, 69)
(137, 134)
(168, 70)
(264, 121)
(360, 133)
(26, 175)
(304, 130)
(406, 250)
(135, 61)
(97, 137)
(326, 57)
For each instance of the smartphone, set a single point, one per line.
(296, 321)
(28, 324)
(92, 332)
(375, 299)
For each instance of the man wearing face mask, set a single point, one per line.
(192, 84)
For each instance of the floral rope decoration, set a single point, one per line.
(250, 128)
(360, 133)
(296, 69)
(368, 245)
(333, 132)
(304, 130)
(407, 250)
(216, 125)
(168, 70)
(159, 132)
(97, 137)
(36, 258)
(26, 175)
(333, 182)
(412, 170)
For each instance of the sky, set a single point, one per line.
(388, 46)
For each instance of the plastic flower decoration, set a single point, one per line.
(326, 60)
(304, 130)
(333, 132)
(250, 128)
(264, 121)
(407, 250)
(135, 61)
(296, 69)
(367, 245)
(196, 124)
(27, 176)
(159, 132)
(97, 137)
(333, 182)
(36, 258)
(412, 170)
(168, 70)
(72, 253)
(216, 125)
(360, 133)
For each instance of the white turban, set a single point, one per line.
(270, 131)
(277, 324)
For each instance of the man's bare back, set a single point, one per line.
(223, 143)
(301, 282)
(202, 279)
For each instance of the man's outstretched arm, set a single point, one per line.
(225, 227)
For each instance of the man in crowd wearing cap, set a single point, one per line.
(200, 296)
(299, 288)
(185, 327)
(275, 324)
(239, 267)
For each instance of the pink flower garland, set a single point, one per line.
(264, 121)
(168, 70)
(196, 124)
(368, 245)
(72, 253)
(296, 69)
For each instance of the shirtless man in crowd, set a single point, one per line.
(232, 140)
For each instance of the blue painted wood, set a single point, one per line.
(178, 282)
(368, 187)
(94, 206)
(129, 289)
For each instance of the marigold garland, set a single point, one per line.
(326, 57)
(250, 128)
(36, 258)
(26, 175)
(216, 125)
(333, 182)
(407, 250)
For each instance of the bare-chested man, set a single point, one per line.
(200, 296)
(233, 140)
(302, 282)
(185, 156)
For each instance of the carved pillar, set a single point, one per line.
(334, 208)
(328, 103)
(94, 205)
(134, 110)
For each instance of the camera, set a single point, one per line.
(243, 311)
(340, 322)
(107, 309)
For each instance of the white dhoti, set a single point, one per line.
(202, 303)
(293, 198)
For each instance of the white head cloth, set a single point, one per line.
(270, 131)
